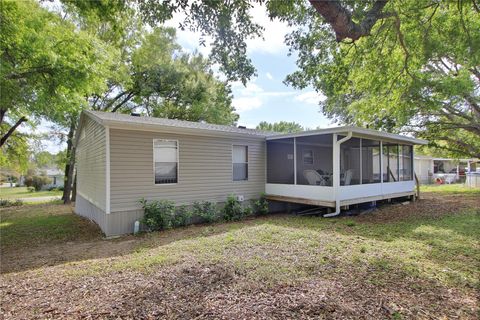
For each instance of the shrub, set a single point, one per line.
(30, 189)
(181, 217)
(233, 210)
(206, 210)
(158, 215)
(10, 203)
(247, 211)
(260, 206)
(37, 182)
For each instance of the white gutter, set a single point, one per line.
(336, 170)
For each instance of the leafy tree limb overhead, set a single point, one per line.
(282, 126)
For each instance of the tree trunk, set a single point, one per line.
(74, 189)
(67, 186)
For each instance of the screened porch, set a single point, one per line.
(339, 167)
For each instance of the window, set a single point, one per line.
(308, 157)
(240, 163)
(165, 157)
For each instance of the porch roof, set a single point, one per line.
(356, 131)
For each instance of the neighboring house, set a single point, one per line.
(429, 169)
(56, 177)
(122, 158)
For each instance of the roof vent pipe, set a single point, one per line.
(242, 127)
(135, 114)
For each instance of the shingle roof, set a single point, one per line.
(109, 117)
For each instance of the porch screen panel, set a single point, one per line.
(280, 161)
(370, 161)
(390, 162)
(315, 160)
(350, 162)
(406, 172)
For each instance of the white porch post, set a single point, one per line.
(294, 160)
(381, 162)
(336, 172)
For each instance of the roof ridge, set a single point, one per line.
(102, 115)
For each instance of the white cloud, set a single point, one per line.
(246, 103)
(269, 75)
(311, 97)
(272, 41)
(274, 33)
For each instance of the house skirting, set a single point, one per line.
(112, 224)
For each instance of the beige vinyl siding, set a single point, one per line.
(204, 169)
(91, 164)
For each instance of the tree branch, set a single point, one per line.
(341, 19)
(11, 130)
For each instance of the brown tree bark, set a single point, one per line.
(67, 186)
(12, 129)
(340, 18)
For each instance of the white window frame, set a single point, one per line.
(248, 158)
(178, 161)
(313, 157)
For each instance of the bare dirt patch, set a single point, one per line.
(335, 270)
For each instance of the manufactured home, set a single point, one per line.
(122, 158)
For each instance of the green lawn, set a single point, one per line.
(456, 188)
(22, 192)
(27, 225)
(419, 260)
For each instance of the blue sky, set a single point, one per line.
(266, 98)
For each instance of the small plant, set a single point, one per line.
(260, 206)
(10, 203)
(31, 189)
(247, 211)
(233, 210)
(181, 217)
(206, 210)
(159, 215)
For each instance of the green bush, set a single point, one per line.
(260, 206)
(37, 182)
(181, 217)
(158, 215)
(10, 203)
(206, 210)
(233, 210)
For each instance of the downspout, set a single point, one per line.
(336, 178)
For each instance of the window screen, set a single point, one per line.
(166, 161)
(240, 163)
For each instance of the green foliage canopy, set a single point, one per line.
(282, 126)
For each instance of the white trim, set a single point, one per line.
(313, 192)
(107, 169)
(294, 160)
(358, 132)
(381, 161)
(361, 163)
(178, 161)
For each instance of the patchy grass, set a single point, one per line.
(45, 224)
(22, 192)
(456, 188)
(419, 260)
